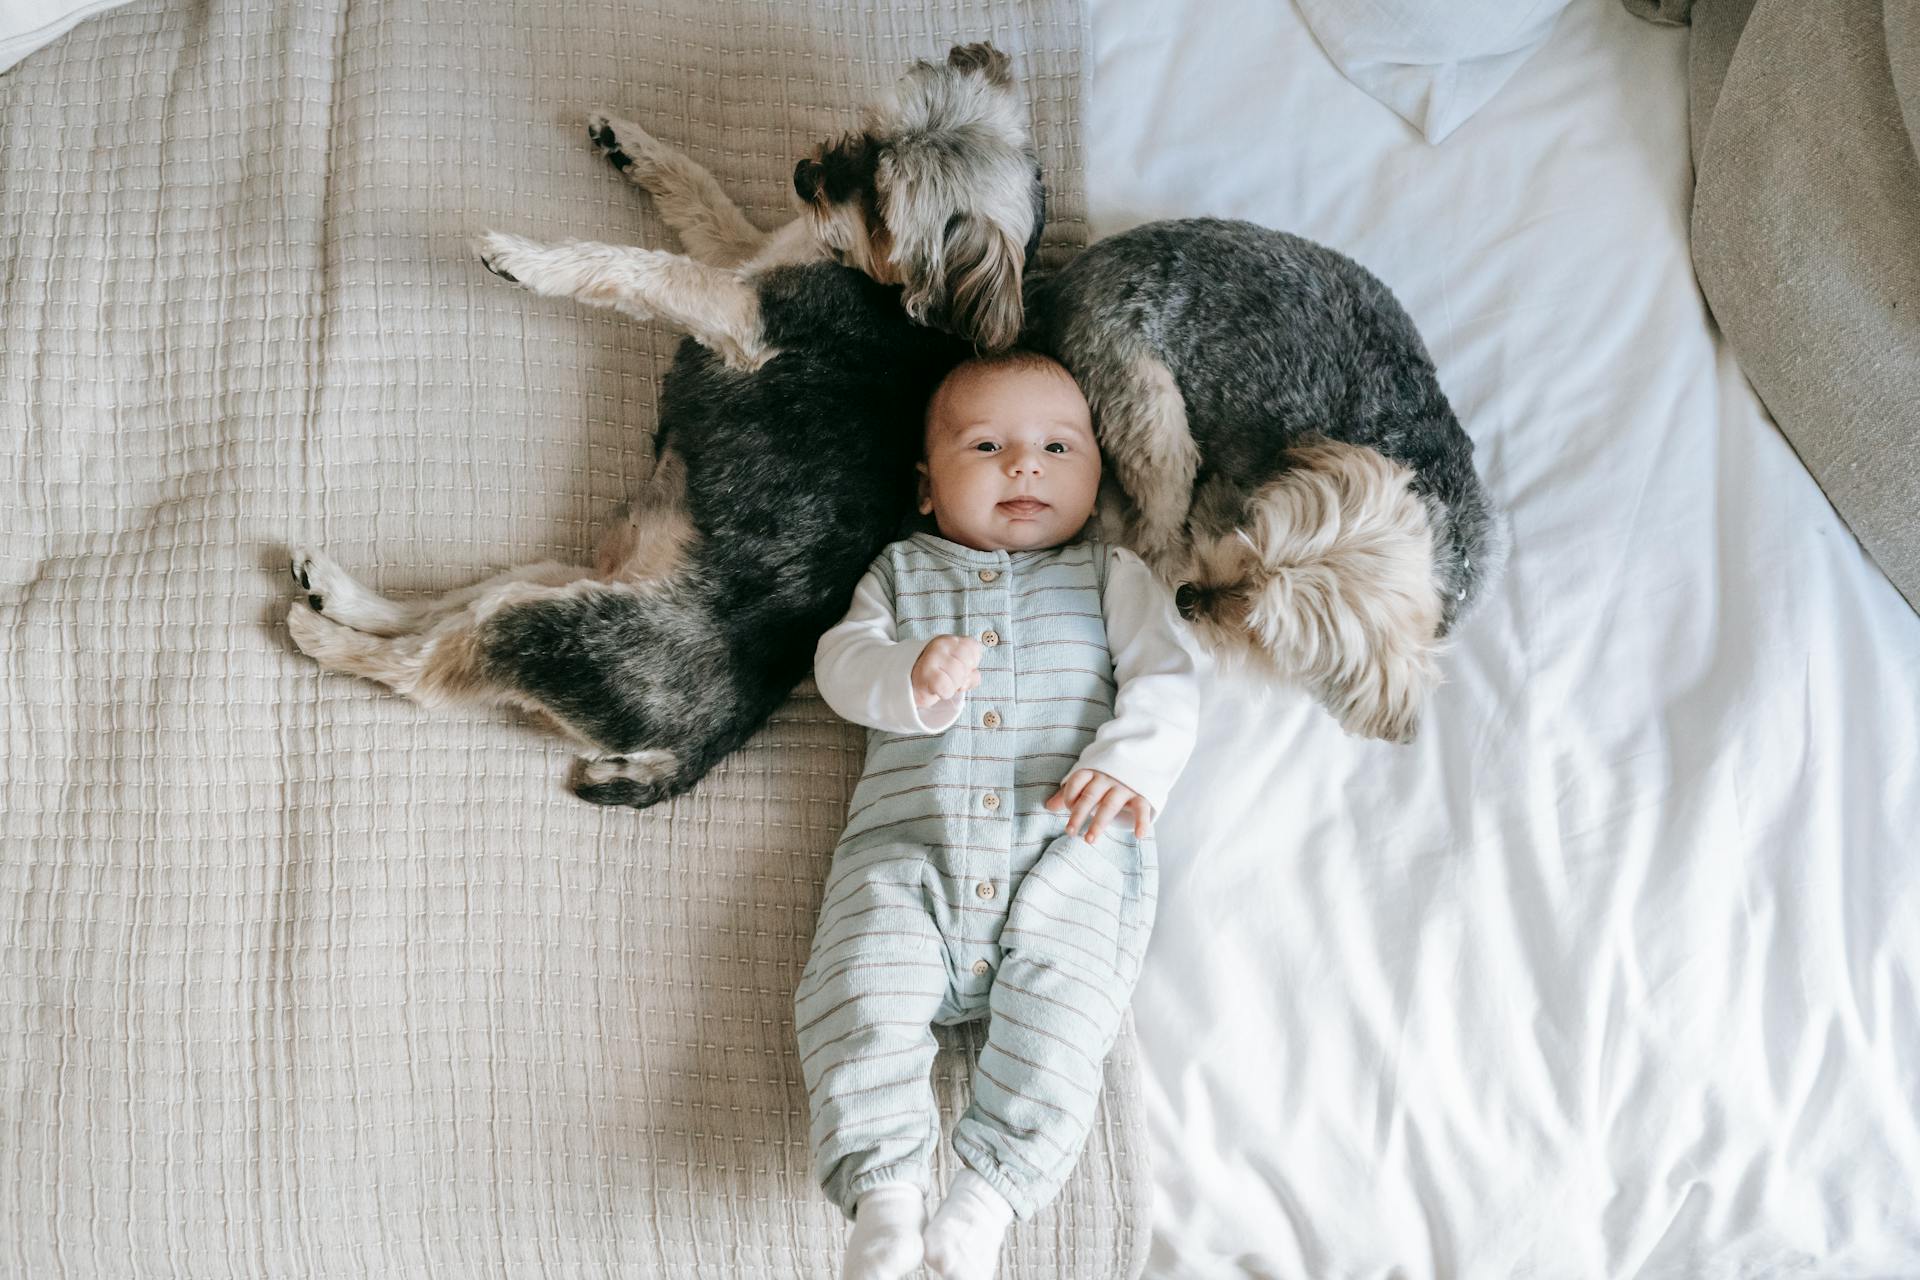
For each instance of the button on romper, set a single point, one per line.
(954, 895)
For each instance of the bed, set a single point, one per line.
(1612, 973)
(1615, 972)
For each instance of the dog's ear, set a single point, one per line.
(1381, 696)
(996, 66)
(974, 284)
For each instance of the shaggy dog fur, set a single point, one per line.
(1290, 464)
(789, 427)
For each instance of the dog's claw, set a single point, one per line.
(493, 248)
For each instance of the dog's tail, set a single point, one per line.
(1346, 599)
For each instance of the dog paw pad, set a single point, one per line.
(600, 129)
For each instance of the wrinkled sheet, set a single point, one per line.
(1613, 973)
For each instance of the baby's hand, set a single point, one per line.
(949, 665)
(1103, 796)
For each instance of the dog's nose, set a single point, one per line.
(806, 180)
(1187, 600)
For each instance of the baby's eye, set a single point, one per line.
(988, 446)
(1056, 447)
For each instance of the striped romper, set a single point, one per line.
(954, 894)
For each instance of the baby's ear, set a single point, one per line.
(926, 490)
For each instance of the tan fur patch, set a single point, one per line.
(651, 541)
(1330, 578)
(1142, 420)
(450, 670)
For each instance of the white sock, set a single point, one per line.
(963, 1240)
(885, 1243)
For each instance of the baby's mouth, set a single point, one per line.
(1023, 506)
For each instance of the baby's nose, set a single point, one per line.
(1023, 461)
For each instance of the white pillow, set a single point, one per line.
(25, 25)
(1434, 62)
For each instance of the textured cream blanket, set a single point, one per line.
(297, 979)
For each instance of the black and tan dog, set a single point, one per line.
(789, 427)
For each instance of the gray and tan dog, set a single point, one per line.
(789, 427)
(1290, 464)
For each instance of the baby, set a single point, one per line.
(1032, 699)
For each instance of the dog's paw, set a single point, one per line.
(601, 129)
(638, 781)
(338, 595)
(317, 575)
(627, 147)
(312, 634)
(303, 578)
(501, 254)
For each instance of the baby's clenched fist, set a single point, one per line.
(948, 666)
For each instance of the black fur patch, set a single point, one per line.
(847, 168)
(797, 474)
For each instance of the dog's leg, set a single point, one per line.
(1143, 427)
(650, 539)
(445, 661)
(715, 306)
(686, 196)
(335, 593)
(433, 668)
(514, 583)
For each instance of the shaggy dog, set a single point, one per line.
(1289, 462)
(789, 427)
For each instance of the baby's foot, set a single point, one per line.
(885, 1244)
(963, 1240)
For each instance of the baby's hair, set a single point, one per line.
(1014, 359)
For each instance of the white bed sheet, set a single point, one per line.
(1614, 972)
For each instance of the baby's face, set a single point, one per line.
(1011, 460)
